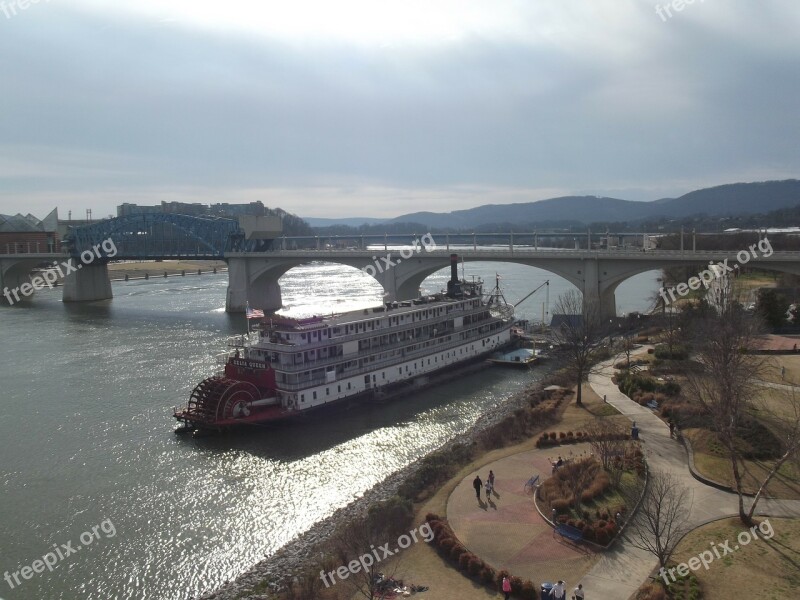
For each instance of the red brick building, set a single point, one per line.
(28, 235)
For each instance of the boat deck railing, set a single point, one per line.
(306, 365)
(266, 343)
(390, 361)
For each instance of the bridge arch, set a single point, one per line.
(15, 272)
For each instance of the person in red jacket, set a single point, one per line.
(506, 587)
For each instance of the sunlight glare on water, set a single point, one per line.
(87, 435)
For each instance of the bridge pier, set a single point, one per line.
(263, 292)
(88, 284)
(595, 290)
(388, 281)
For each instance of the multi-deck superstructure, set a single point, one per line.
(288, 366)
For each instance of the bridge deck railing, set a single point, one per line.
(28, 248)
(524, 251)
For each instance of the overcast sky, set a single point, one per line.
(378, 108)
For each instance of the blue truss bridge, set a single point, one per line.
(159, 236)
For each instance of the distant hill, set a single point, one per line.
(732, 199)
(725, 200)
(349, 221)
(574, 209)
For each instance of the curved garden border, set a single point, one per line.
(621, 529)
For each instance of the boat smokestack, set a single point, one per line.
(454, 285)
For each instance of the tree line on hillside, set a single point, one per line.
(701, 222)
(296, 226)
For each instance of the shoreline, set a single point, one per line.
(133, 270)
(299, 554)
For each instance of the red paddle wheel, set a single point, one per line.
(219, 399)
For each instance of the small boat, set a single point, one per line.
(521, 357)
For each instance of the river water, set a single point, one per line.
(86, 435)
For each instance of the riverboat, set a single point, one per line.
(288, 367)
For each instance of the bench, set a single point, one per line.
(652, 405)
(531, 485)
(568, 531)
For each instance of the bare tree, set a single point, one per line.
(306, 586)
(610, 441)
(725, 375)
(579, 335)
(578, 476)
(663, 515)
(356, 548)
(628, 346)
(784, 422)
(362, 545)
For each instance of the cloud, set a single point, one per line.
(139, 101)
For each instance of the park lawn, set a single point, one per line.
(757, 279)
(709, 463)
(642, 355)
(761, 570)
(772, 370)
(776, 403)
(157, 268)
(422, 565)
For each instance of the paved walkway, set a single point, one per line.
(509, 533)
(787, 387)
(621, 572)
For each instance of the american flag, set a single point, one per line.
(254, 313)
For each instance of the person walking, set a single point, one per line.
(577, 593)
(671, 428)
(491, 478)
(477, 484)
(488, 489)
(506, 587)
(559, 591)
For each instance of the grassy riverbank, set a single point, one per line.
(152, 269)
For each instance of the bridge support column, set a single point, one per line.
(592, 292)
(388, 280)
(88, 284)
(608, 304)
(264, 293)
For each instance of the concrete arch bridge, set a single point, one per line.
(596, 273)
(257, 256)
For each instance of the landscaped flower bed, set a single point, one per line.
(583, 494)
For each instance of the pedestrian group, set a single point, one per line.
(559, 590)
